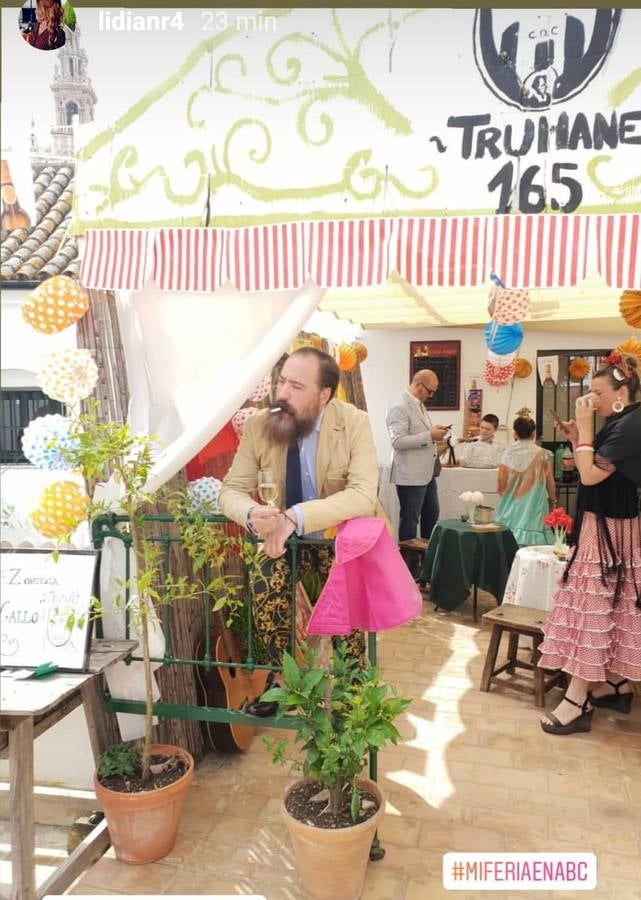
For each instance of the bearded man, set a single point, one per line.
(322, 456)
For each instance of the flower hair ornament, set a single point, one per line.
(620, 368)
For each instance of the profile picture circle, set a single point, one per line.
(44, 24)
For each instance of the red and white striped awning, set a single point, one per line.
(534, 251)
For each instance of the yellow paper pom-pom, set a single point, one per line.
(578, 368)
(346, 358)
(55, 304)
(360, 350)
(630, 306)
(522, 368)
(630, 347)
(62, 508)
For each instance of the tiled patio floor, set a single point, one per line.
(474, 772)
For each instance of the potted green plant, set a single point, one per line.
(141, 788)
(342, 713)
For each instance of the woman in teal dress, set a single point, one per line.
(526, 485)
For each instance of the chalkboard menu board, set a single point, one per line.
(444, 359)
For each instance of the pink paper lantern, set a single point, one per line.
(497, 376)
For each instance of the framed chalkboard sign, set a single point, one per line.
(45, 608)
(443, 358)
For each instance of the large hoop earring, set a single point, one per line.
(617, 406)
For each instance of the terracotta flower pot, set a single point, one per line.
(332, 861)
(143, 826)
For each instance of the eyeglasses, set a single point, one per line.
(429, 391)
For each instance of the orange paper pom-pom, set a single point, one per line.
(55, 304)
(630, 306)
(630, 347)
(522, 368)
(63, 506)
(347, 358)
(578, 368)
(360, 350)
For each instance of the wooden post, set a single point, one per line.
(23, 875)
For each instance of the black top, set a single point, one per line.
(619, 441)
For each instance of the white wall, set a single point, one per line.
(386, 371)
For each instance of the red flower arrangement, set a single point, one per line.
(560, 522)
(613, 358)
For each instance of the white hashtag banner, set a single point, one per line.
(519, 871)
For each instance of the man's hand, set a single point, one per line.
(264, 519)
(439, 432)
(274, 545)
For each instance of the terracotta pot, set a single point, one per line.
(143, 826)
(332, 861)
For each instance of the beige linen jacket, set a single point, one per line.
(346, 470)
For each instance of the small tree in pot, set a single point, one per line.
(141, 788)
(343, 712)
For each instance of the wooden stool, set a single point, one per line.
(517, 620)
(413, 551)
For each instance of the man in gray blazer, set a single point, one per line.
(414, 455)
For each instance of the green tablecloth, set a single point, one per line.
(458, 556)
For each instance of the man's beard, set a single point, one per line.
(285, 427)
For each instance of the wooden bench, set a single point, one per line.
(413, 551)
(516, 621)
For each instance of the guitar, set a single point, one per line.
(227, 687)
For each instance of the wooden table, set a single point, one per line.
(28, 708)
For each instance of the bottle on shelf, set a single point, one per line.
(568, 467)
(558, 462)
(548, 380)
(13, 215)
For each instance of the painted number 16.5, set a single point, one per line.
(531, 195)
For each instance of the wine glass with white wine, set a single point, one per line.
(267, 490)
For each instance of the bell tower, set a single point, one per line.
(73, 94)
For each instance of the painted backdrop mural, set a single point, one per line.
(359, 112)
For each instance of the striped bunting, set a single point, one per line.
(539, 251)
(445, 252)
(189, 259)
(530, 251)
(117, 258)
(351, 253)
(619, 256)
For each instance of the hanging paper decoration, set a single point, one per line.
(630, 306)
(62, 508)
(347, 358)
(68, 375)
(262, 390)
(360, 350)
(630, 347)
(45, 439)
(55, 304)
(203, 495)
(509, 306)
(522, 368)
(578, 368)
(497, 376)
(503, 339)
(500, 361)
(239, 419)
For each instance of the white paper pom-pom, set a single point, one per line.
(45, 439)
(203, 495)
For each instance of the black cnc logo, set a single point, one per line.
(537, 67)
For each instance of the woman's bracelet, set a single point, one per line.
(584, 448)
